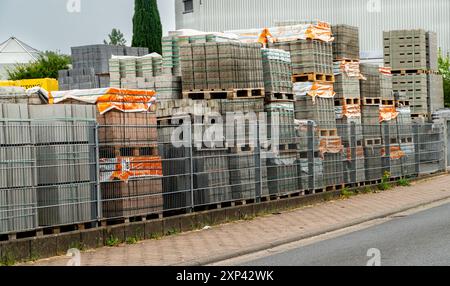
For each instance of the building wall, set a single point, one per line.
(372, 16)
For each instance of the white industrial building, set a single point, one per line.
(372, 16)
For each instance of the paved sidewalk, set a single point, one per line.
(234, 239)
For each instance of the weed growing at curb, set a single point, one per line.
(112, 241)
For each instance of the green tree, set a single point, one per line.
(147, 28)
(47, 66)
(444, 70)
(116, 38)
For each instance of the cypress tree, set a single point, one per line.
(147, 28)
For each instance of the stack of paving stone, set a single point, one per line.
(145, 73)
(277, 68)
(309, 56)
(228, 66)
(18, 197)
(281, 130)
(171, 47)
(48, 175)
(91, 66)
(349, 119)
(413, 57)
(376, 91)
(346, 42)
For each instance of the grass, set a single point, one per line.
(346, 193)
(404, 182)
(172, 231)
(385, 182)
(112, 241)
(7, 260)
(155, 236)
(132, 240)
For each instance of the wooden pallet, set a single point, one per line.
(347, 60)
(128, 151)
(43, 231)
(125, 220)
(410, 71)
(242, 149)
(316, 77)
(279, 97)
(288, 147)
(231, 94)
(328, 132)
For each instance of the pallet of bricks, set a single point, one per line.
(282, 170)
(226, 70)
(196, 172)
(48, 166)
(313, 78)
(144, 72)
(378, 115)
(231, 73)
(413, 57)
(90, 66)
(213, 179)
(130, 164)
(348, 101)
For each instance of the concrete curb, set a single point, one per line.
(270, 245)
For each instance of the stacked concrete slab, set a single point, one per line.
(18, 199)
(277, 67)
(171, 48)
(309, 56)
(90, 66)
(376, 89)
(413, 57)
(128, 70)
(348, 107)
(65, 156)
(50, 160)
(282, 169)
(221, 66)
(346, 42)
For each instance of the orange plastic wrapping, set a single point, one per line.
(350, 69)
(388, 113)
(359, 153)
(133, 167)
(107, 99)
(352, 110)
(396, 152)
(331, 145)
(320, 31)
(314, 89)
(126, 100)
(385, 71)
(264, 37)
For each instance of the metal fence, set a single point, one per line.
(129, 170)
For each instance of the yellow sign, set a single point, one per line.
(48, 84)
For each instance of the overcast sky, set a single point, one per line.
(48, 24)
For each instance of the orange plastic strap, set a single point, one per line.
(133, 167)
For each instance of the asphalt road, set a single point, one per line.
(422, 239)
